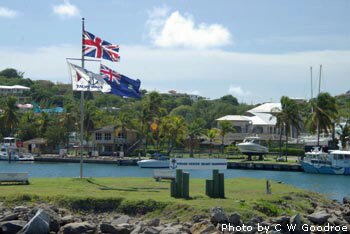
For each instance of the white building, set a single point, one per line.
(258, 120)
(15, 90)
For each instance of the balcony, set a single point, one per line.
(120, 141)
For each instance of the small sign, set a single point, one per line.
(198, 163)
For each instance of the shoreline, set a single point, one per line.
(133, 162)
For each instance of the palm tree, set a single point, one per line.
(173, 128)
(323, 115)
(9, 116)
(345, 133)
(212, 134)
(194, 130)
(225, 127)
(43, 123)
(287, 117)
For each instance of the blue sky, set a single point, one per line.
(257, 50)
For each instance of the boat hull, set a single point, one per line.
(152, 163)
(252, 149)
(324, 169)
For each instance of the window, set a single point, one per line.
(108, 136)
(108, 148)
(98, 136)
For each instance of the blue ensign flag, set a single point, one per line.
(121, 85)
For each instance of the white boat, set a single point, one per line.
(160, 162)
(9, 148)
(251, 146)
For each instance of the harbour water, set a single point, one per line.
(335, 187)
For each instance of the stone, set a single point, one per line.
(198, 218)
(109, 228)
(296, 220)
(203, 227)
(218, 216)
(137, 229)
(39, 224)
(234, 219)
(346, 200)
(20, 209)
(121, 219)
(151, 230)
(78, 228)
(170, 230)
(154, 222)
(55, 219)
(319, 217)
(67, 219)
(11, 226)
(9, 217)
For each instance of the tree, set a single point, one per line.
(11, 73)
(10, 116)
(212, 134)
(194, 130)
(345, 133)
(287, 117)
(323, 115)
(173, 129)
(225, 127)
(43, 123)
(229, 99)
(29, 127)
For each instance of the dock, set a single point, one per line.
(117, 161)
(264, 166)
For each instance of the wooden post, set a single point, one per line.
(268, 187)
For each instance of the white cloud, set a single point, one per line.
(66, 10)
(7, 13)
(237, 90)
(177, 30)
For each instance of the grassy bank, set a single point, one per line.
(144, 195)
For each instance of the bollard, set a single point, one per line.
(215, 188)
(185, 185)
(180, 187)
(268, 187)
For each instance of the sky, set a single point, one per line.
(256, 50)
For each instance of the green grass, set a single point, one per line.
(144, 195)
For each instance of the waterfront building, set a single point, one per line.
(113, 140)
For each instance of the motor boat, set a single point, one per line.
(251, 146)
(159, 162)
(336, 162)
(9, 148)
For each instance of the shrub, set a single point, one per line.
(291, 151)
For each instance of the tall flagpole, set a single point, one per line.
(82, 104)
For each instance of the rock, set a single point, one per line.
(55, 219)
(203, 227)
(12, 226)
(218, 216)
(319, 217)
(170, 230)
(151, 230)
(154, 222)
(20, 209)
(198, 218)
(234, 219)
(346, 200)
(138, 229)
(296, 220)
(39, 224)
(108, 228)
(78, 228)
(9, 217)
(121, 219)
(67, 219)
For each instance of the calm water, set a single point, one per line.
(335, 187)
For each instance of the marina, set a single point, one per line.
(334, 187)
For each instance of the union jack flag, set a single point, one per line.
(96, 47)
(110, 74)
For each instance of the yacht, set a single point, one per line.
(159, 162)
(251, 146)
(9, 148)
(336, 162)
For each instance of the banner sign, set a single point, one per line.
(198, 163)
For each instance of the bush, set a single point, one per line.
(231, 149)
(291, 151)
